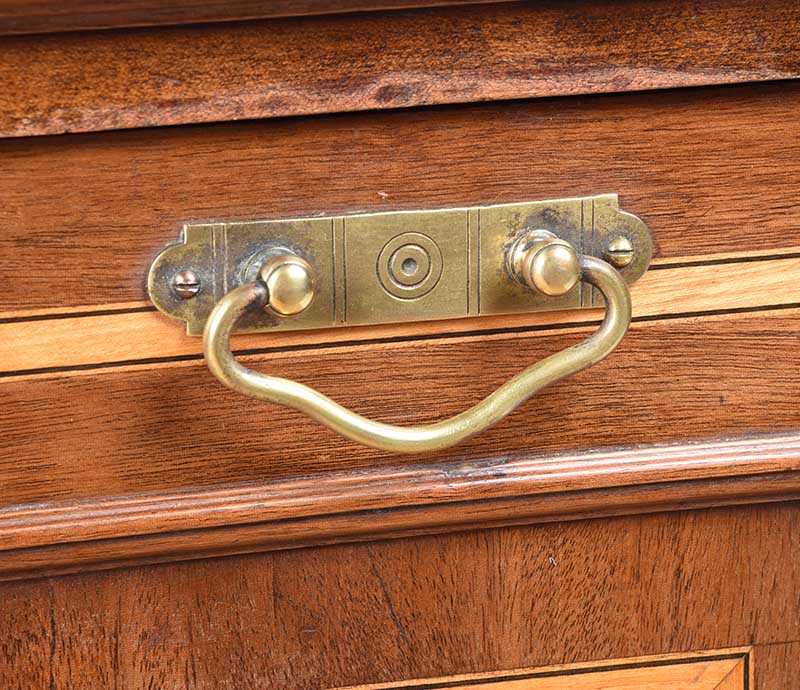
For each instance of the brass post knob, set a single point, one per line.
(289, 280)
(545, 263)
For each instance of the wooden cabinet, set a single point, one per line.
(633, 526)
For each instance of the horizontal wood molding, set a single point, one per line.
(384, 503)
(185, 75)
(129, 337)
(45, 16)
(713, 171)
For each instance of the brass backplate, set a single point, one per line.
(395, 267)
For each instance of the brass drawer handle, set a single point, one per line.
(546, 264)
(373, 268)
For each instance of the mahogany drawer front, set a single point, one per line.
(718, 583)
(118, 442)
(714, 172)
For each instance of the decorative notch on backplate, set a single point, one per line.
(403, 266)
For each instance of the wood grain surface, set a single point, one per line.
(710, 171)
(43, 16)
(113, 432)
(110, 80)
(436, 606)
(775, 666)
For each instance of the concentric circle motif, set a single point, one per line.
(410, 265)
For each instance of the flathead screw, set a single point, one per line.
(619, 252)
(186, 284)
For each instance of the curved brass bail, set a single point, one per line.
(429, 437)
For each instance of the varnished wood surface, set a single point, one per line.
(184, 75)
(711, 171)
(126, 336)
(775, 666)
(711, 671)
(45, 16)
(59, 538)
(88, 434)
(475, 602)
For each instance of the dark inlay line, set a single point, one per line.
(390, 340)
(747, 671)
(720, 262)
(76, 314)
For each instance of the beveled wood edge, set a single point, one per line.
(390, 503)
(738, 658)
(144, 336)
(83, 16)
(146, 97)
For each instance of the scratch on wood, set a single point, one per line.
(389, 605)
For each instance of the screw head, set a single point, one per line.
(186, 284)
(619, 252)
